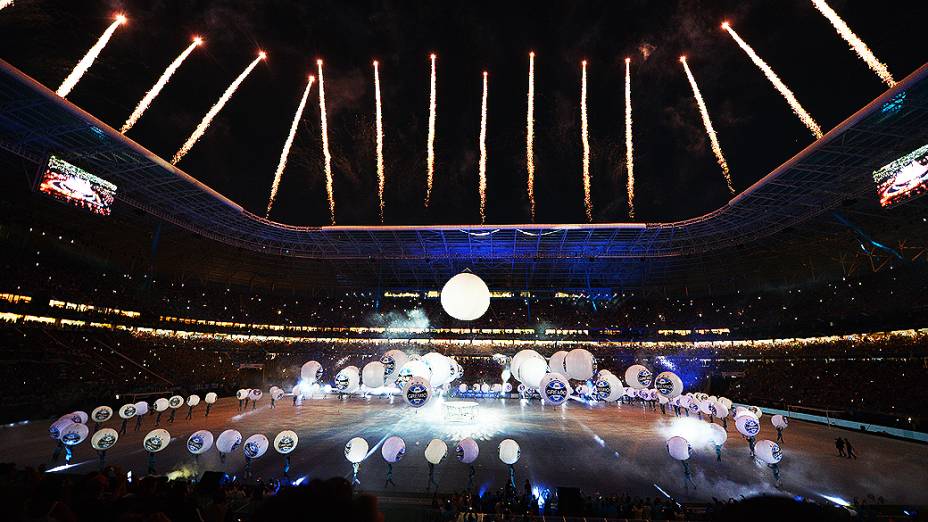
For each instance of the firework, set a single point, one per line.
(5, 3)
(530, 135)
(381, 179)
(585, 142)
(327, 157)
(629, 156)
(214, 110)
(707, 123)
(82, 66)
(483, 152)
(778, 84)
(430, 157)
(153, 93)
(855, 42)
(282, 163)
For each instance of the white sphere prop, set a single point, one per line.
(705, 407)
(278, 394)
(507, 388)
(679, 448)
(417, 392)
(393, 449)
(141, 408)
(199, 442)
(161, 404)
(638, 377)
(176, 401)
(532, 371)
(717, 434)
(79, 416)
(392, 361)
(580, 364)
(372, 374)
(242, 394)
(747, 425)
(54, 431)
(718, 409)
(756, 411)
(467, 450)
(555, 389)
(285, 442)
(556, 363)
(211, 398)
(101, 414)
(608, 387)
(193, 400)
(768, 452)
(228, 441)
(127, 411)
(779, 422)
(465, 297)
(156, 440)
(104, 439)
(509, 451)
(668, 384)
(441, 369)
(74, 434)
(725, 401)
(412, 368)
(462, 387)
(436, 451)
(347, 380)
(311, 372)
(356, 450)
(519, 358)
(255, 446)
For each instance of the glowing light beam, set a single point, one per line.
(162, 81)
(483, 152)
(329, 186)
(381, 177)
(629, 151)
(84, 65)
(778, 84)
(430, 146)
(707, 123)
(585, 142)
(530, 135)
(214, 110)
(855, 42)
(285, 153)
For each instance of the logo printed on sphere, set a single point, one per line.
(285, 444)
(556, 391)
(603, 389)
(644, 378)
(153, 444)
(251, 450)
(106, 442)
(663, 385)
(195, 444)
(417, 394)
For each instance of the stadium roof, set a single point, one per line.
(787, 212)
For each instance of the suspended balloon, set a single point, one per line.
(393, 449)
(580, 364)
(412, 368)
(80, 417)
(285, 442)
(679, 448)
(127, 411)
(668, 384)
(440, 367)
(608, 388)
(756, 411)
(255, 394)
(162, 404)
(467, 450)
(176, 401)
(74, 434)
(278, 394)
(311, 372)
(54, 431)
(156, 440)
(436, 451)
(556, 363)
(255, 446)
(465, 297)
(372, 374)
(104, 439)
(509, 451)
(637, 376)
(533, 371)
(101, 414)
(417, 392)
(768, 452)
(193, 400)
(519, 358)
(228, 441)
(392, 361)
(199, 442)
(717, 434)
(779, 422)
(747, 425)
(462, 388)
(705, 407)
(724, 401)
(141, 408)
(356, 450)
(242, 394)
(211, 398)
(348, 379)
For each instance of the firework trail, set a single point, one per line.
(629, 156)
(284, 154)
(153, 93)
(585, 141)
(713, 138)
(530, 135)
(5, 3)
(329, 187)
(381, 178)
(430, 159)
(855, 42)
(778, 84)
(483, 152)
(82, 66)
(214, 110)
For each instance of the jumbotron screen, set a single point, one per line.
(74, 185)
(903, 179)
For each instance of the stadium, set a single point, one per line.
(560, 313)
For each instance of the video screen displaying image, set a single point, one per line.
(74, 185)
(904, 179)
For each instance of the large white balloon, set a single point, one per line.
(779, 422)
(255, 394)
(608, 387)
(679, 448)
(104, 439)
(440, 367)
(393, 449)
(176, 401)
(347, 380)
(412, 368)
(555, 389)
(242, 394)
(638, 377)
(277, 394)
(724, 401)
(668, 384)
(74, 434)
(101, 414)
(717, 409)
(768, 452)
(161, 404)
(519, 358)
(717, 434)
(193, 400)
(392, 361)
(372, 374)
(200, 442)
(465, 297)
(54, 431)
(228, 441)
(80, 417)
(141, 408)
(156, 440)
(532, 371)
(747, 425)
(211, 398)
(509, 451)
(285, 442)
(467, 450)
(311, 372)
(255, 446)
(556, 363)
(580, 364)
(127, 411)
(417, 392)
(356, 450)
(436, 451)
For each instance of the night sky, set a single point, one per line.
(676, 174)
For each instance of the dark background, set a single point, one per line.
(676, 174)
